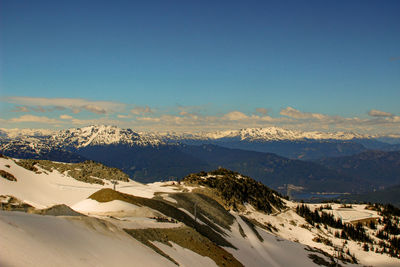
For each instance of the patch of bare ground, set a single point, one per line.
(207, 209)
(8, 176)
(213, 193)
(334, 261)
(166, 208)
(88, 171)
(11, 203)
(185, 237)
(58, 210)
(252, 225)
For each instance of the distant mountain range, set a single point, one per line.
(268, 154)
(265, 134)
(63, 145)
(288, 143)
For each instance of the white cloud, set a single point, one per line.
(297, 114)
(195, 122)
(291, 119)
(148, 119)
(76, 105)
(66, 117)
(39, 109)
(262, 111)
(379, 113)
(21, 109)
(141, 110)
(235, 116)
(189, 118)
(33, 118)
(122, 116)
(95, 109)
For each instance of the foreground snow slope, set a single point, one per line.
(100, 239)
(35, 240)
(46, 189)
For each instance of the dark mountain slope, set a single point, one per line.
(375, 167)
(297, 149)
(146, 163)
(23, 149)
(273, 170)
(387, 195)
(235, 190)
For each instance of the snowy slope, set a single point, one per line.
(35, 240)
(290, 226)
(49, 188)
(101, 135)
(99, 240)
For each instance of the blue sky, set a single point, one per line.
(201, 65)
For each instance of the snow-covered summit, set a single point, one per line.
(106, 134)
(76, 137)
(275, 133)
(266, 134)
(102, 135)
(16, 133)
(46, 140)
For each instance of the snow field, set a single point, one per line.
(35, 240)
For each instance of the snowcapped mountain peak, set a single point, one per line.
(15, 133)
(280, 134)
(38, 142)
(102, 135)
(263, 134)
(275, 133)
(35, 142)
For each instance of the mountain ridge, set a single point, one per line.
(122, 134)
(293, 144)
(149, 158)
(266, 134)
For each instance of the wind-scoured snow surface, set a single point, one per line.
(35, 240)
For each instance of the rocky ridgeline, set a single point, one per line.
(88, 171)
(236, 190)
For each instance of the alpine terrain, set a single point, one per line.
(77, 214)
